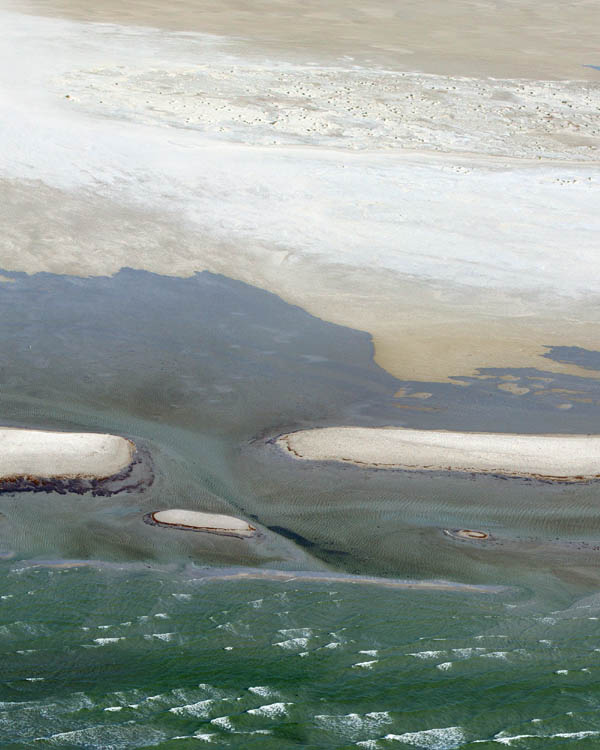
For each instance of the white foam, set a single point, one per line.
(369, 652)
(503, 738)
(160, 636)
(183, 598)
(293, 643)
(427, 654)
(432, 739)
(114, 708)
(107, 641)
(444, 666)
(365, 664)
(201, 709)
(263, 690)
(271, 710)
(224, 722)
(296, 632)
(495, 655)
(465, 653)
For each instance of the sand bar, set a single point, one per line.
(211, 523)
(551, 457)
(61, 455)
(194, 573)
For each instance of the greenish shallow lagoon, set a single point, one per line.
(139, 649)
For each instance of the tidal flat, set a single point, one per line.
(218, 230)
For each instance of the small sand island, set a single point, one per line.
(210, 523)
(46, 455)
(559, 458)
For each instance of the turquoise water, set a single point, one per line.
(139, 647)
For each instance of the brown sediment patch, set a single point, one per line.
(551, 458)
(208, 523)
(468, 534)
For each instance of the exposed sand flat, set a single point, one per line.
(525, 38)
(212, 523)
(569, 458)
(61, 455)
(453, 218)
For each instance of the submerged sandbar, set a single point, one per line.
(61, 455)
(563, 458)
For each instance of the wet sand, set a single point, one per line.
(561, 458)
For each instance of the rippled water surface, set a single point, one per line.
(138, 647)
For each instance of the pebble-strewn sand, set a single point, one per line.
(65, 455)
(556, 457)
(435, 187)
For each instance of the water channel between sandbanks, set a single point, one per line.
(204, 375)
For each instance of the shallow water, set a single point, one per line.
(149, 652)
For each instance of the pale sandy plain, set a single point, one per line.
(554, 457)
(427, 173)
(65, 455)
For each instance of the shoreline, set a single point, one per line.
(555, 458)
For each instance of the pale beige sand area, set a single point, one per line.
(566, 458)
(211, 523)
(63, 455)
(528, 39)
(452, 215)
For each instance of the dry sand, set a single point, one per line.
(452, 215)
(552, 457)
(62, 455)
(212, 523)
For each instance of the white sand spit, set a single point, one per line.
(62, 455)
(564, 458)
(209, 522)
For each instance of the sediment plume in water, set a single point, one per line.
(560, 458)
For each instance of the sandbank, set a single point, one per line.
(563, 458)
(61, 455)
(194, 573)
(210, 523)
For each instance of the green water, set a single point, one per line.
(143, 659)
(140, 648)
